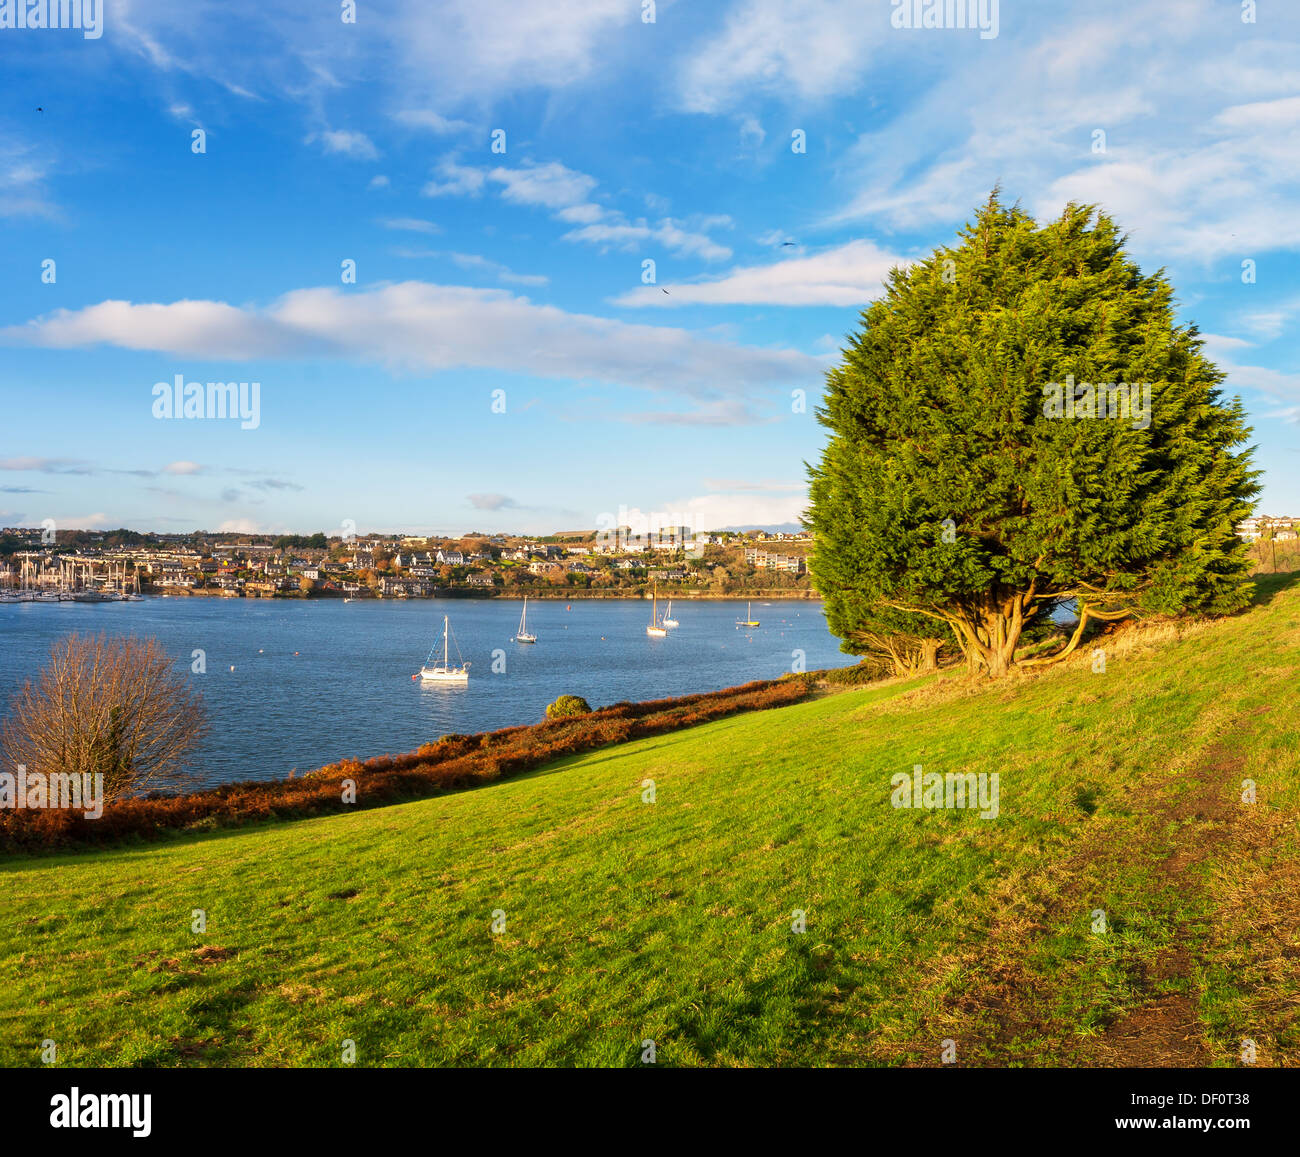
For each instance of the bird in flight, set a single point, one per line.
(785, 243)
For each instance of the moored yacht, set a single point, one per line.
(446, 672)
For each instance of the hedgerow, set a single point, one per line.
(453, 762)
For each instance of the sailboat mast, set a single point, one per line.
(445, 628)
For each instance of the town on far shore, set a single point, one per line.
(45, 563)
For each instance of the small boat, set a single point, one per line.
(748, 620)
(445, 673)
(523, 636)
(655, 630)
(669, 621)
(349, 599)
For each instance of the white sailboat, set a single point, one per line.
(523, 636)
(445, 673)
(655, 630)
(669, 621)
(748, 620)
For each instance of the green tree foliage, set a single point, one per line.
(316, 541)
(567, 706)
(982, 468)
(906, 641)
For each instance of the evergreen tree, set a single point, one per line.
(1020, 422)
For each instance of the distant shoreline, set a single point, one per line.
(512, 596)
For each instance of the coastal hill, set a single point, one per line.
(1123, 906)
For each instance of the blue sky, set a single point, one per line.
(625, 141)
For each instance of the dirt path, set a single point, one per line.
(1008, 1012)
(1166, 1030)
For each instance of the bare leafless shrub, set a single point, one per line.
(115, 706)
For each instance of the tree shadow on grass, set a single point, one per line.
(1269, 586)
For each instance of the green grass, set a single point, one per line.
(672, 920)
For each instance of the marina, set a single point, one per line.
(315, 680)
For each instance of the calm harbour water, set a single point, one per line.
(314, 681)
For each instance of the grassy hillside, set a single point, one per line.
(671, 920)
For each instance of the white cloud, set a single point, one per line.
(1270, 322)
(431, 121)
(1223, 351)
(850, 274)
(619, 233)
(480, 50)
(409, 224)
(802, 50)
(722, 412)
(98, 521)
(208, 329)
(345, 143)
(426, 327)
(1265, 114)
(22, 182)
(182, 468)
(492, 502)
(457, 180)
(1201, 127)
(713, 511)
(550, 185)
(565, 193)
(474, 261)
(473, 53)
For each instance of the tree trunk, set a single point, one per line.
(990, 636)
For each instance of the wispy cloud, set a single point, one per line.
(725, 412)
(496, 269)
(492, 502)
(567, 194)
(409, 224)
(850, 274)
(423, 326)
(550, 185)
(345, 143)
(455, 180)
(799, 50)
(430, 121)
(47, 465)
(23, 181)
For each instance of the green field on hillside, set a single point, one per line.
(672, 921)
